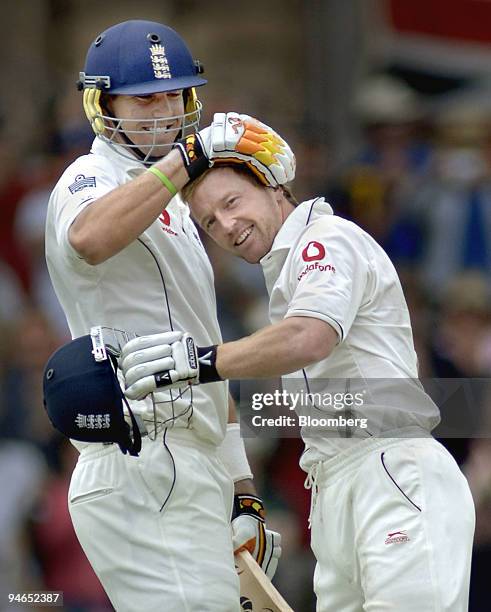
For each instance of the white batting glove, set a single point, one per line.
(232, 137)
(165, 361)
(235, 137)
(151, 362)
(249, 532)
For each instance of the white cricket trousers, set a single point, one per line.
(392, 529)
(175, 559)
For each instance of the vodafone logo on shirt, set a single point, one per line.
(164, 218)
(314, 251)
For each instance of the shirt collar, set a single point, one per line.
(304, 214)
(294, 224)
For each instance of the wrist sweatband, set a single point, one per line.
(244, 503)
(231, 453)
(165, 180)
(193, 156)
(207, 356)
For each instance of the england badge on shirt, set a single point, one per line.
(81, 182)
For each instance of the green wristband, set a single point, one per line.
(166, 182)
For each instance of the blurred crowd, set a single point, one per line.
(419, 181)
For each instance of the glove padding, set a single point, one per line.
(151, 362)
(249, 532)
(240, 138)
(165, 361)
(235, 138)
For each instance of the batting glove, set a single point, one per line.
(235, 138)
(249, 532)
(165, 361)
(195, 155)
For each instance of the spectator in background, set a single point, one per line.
(29, 224)
(459, 348)
(462, 338)
(29, 344)
(453, 207)
(22, 473)
(13, 299)
(11, 191)
(375, 188)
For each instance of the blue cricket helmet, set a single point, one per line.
(139, 58)
(83, 397)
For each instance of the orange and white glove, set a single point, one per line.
(242, 139)
(235, 138)
(249, 532)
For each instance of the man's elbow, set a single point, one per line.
(85, 245)
(317, 340)
(319, 350)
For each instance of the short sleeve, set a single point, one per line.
(86, 180)
(328, 274)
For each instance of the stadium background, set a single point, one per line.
(387, 104)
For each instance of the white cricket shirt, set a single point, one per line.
(326, 267)
(162, 281)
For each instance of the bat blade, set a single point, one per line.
(257, 593)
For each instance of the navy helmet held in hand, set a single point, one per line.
(83, 397)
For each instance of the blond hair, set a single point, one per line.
(241, 169)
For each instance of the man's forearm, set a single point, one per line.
(116, 219)
(279, 349)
